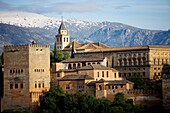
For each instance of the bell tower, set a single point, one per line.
(62, 37)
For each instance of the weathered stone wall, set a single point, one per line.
(16, 77)
(142, 97)
(166, 92)
(26, 70)
(144, 61)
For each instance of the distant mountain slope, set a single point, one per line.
(161, 38)
(123, 37)
(10, 34)
(23, 27)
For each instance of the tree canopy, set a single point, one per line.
(57, 55)
(56, 101)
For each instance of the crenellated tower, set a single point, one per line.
(62, 37)
(26, 76)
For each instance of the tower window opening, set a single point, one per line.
(16, 85)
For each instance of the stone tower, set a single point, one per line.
(26, 76)
(166, 91)
(62, 37)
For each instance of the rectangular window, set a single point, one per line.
(43, 85)
(120, 75)
(155, 74)
(154, 61)
(39, 85)
(21, 85)
(121, 86)
(35, 85)
(58, 75)
(115, 75)
(102, 73)
(107, 74)
(16, 85)
(124, 75)
(98, 74)
(67, 86)
(11, 86)
(129, 74)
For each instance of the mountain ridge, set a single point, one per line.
(22, 27)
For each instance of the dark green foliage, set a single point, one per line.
(140, 83)
(57, 55)
(66, 55)
(55, 101)
(11, 111)
(2, 59)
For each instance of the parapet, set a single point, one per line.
(141, 91)
(13, 48)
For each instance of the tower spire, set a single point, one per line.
(62, 19)
(62, 37)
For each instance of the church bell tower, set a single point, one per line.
(62, 37)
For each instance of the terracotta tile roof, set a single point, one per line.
(96, 67)
(72, 60)
(128, 48)
(117, 82)
(89, 46)
(76, 77)
(101, 45)
(79, 46)
(114, 82)
(69, 46)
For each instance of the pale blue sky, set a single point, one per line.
(147, 14)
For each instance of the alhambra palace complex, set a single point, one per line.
(93, 69)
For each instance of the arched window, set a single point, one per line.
(57, 39)
(130, 62)
(139, 61)
(78, 66)
(107, 74)
(134, 61)
(69, 66)
(100, 87)
(84, 64)
(125, 62)
(74, 66)
(120, 62)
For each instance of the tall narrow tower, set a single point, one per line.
(62, 37)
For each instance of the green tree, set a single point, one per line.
(119, 99)
(66, 55)
(55, 55)
(2, 59)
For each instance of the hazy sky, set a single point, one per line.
(147, 14)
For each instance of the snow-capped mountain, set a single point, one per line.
(22, 27)
(26, 19)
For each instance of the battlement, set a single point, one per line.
(141, 91)
(13, 48)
